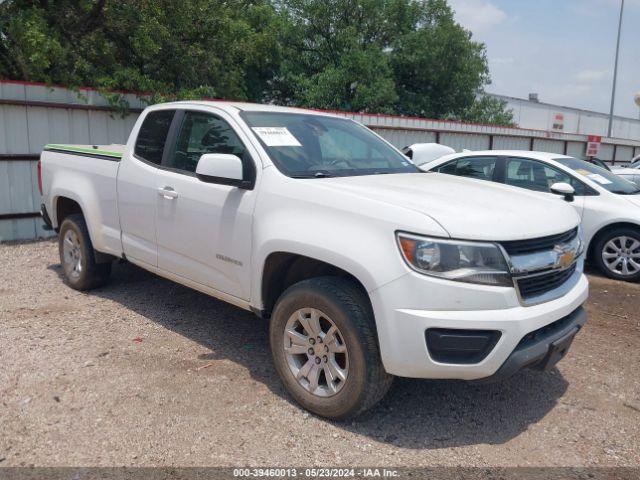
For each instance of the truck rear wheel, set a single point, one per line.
(325, 349)
(78, 257)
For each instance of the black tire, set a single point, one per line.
(91, 274)
(600, 246)
(349, 309)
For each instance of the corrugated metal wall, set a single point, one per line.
(19, 195)
(623, 154)
(551, 146)
(606, 152)
(576, 149)
(32, 115)
(402, 138)
(511, 143)
(462, 141)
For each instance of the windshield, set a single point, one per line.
(316, 146)
(602, 177)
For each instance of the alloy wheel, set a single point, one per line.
(72, 254)
(316, 352)
(621, 255)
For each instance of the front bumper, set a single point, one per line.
(406, 308)
(542, 349)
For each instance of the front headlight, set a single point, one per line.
(456, 260)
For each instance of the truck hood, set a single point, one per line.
(465, 208)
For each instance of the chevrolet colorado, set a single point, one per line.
(366, 267)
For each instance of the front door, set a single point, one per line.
(204, 229)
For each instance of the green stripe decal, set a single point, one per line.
(71, 148)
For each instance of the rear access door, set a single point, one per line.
(137, 188)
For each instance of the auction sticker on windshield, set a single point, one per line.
(600, 179)
(276, 136)
(596, 177)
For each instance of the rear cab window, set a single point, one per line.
(152, 136)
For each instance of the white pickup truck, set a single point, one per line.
(366, 267)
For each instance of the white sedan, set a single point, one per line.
(609, 205)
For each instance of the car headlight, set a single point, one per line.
(471, 262)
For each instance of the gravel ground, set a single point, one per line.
(147, 372)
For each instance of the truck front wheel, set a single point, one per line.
(77, 255)
(325, 349)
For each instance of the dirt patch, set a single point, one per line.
(147, 372)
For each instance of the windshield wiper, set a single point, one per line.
(318, 174)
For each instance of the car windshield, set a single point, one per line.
(316, 146)
(602, 177)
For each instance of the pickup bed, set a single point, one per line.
(366, 267)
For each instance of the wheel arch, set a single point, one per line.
(63, 207)
(604, 230)
(282, 269)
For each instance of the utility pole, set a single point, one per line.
(615, 72)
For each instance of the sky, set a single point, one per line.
(564, 50)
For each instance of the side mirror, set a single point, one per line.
(564, 189)
(221, 168)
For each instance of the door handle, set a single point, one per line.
(168, 193)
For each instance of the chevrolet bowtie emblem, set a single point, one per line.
(564, 257)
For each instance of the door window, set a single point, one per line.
(481, 168)
(202, 133)
(153, 135)
(534, 175)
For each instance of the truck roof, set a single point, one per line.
(230, 106)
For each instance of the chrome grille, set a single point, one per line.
(523, 247)
(536, 285)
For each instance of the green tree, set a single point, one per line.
(438, 68)
(394, 56)
(399, 56)
(222, 48)
(333, 56)
(487, 110)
